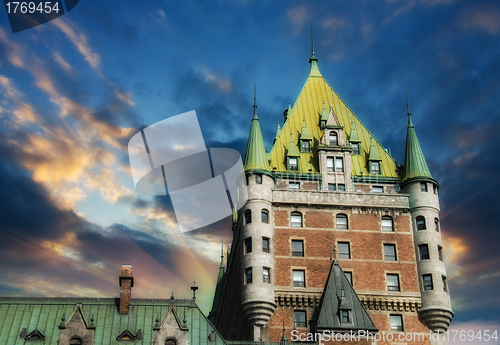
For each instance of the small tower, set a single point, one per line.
(422, 188)
(257, 235)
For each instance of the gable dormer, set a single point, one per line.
(76, 329)
(34, 335)
(305, 140)
(171, 328)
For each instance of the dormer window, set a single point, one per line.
(344, 316)
(333, 139)
(305, 146)
(374, 168)
(355, 148)
(293, 163)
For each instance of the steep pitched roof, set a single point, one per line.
(309, 108)
(415, 165)
(338, 295)
(256, 156)
(220, 284)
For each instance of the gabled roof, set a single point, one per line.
(309, 108)
(256, 156)
(338, 295)
(415, 165)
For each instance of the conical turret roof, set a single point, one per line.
(256, 156)
(415, 165)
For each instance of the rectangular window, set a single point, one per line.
(393, 282)
(427, 278)
(294, 185)
(348, 275)
(387, 224)
(293, 163)
(339, 164)
(420, 223)
(344, 314)
(297, 248)
(390, 252)
(333, 139)
(299, 279)
(423, 186)
(248, 275)
(440, 253)
(332, 186)
(375, 168)
(329, 164)
(306, 146)
(355, 148)
(424, 251)
(435, 189)
(436, 224)
(265, 275)
(258, 179)
(248, 217)
(265, 244)
(344, 250)
(445, 283)
(248, 245)
(265, 217)
(341, 187)
(377, 189)
(396, 323)
(341, 221)
(299, 318)
(296, 220)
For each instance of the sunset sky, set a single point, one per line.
(75, 90)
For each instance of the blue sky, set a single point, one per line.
(73, 92)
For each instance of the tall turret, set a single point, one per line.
(422, 188)
(257, 235)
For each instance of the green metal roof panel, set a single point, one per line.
(256, 156)
(45, 315)
(415, 164)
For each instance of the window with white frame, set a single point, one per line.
(396, 322)
(427, 280)
(355, 148)
(344, 250)
(423, 186)
(387, 224)
(296, 219)
(341, 221)
(293, 163)
(329, 164)
(265, 244)
(421, 223)
(375, 168)
(339, 164)
(266, 276)
(393, 282)
(294, 185)
(390, 252)
(299, 278)
(265, 216)
(333, 139)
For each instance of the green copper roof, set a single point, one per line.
(314, 71)
(415, 164)
(278, 132)
(338, 295)
(256, 156)
(374, 156)
(44, 315)
(353, 137)
(304, 134)
(220, 283)
(324, 113)
(292, 149)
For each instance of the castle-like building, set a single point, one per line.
(335, 236)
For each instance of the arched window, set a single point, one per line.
(170, 342)
(248, 216)
(436, 224)
(421, 223)
(296, 219)
(341, 221)
(75, 341)
(265, 216)
(387, 224)
(333, 139)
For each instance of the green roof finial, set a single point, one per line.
(256, 156)
(314, 71)
(255, 101)
(415, 165)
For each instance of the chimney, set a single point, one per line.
(126, 283)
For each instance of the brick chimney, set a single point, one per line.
(126, 284)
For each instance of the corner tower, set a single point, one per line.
(422, 188)
(257, 235)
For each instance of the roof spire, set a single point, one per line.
(415, 167)
(314, 71)
(256, 156)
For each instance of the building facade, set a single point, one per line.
(335, 236)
